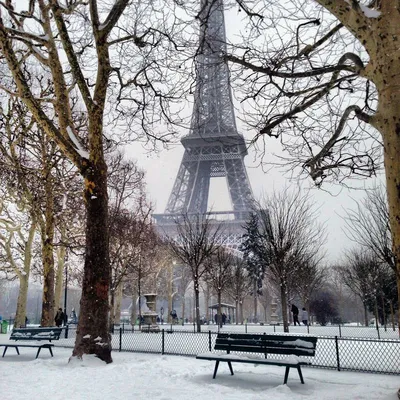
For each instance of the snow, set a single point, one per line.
(154, 376)
(370, 13)
(83, 153)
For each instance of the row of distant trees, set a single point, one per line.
(281, 256)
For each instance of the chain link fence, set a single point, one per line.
(334, 352)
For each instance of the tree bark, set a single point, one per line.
(118, 303)
(133, 309)
(20, 313)
(183, 309)
(284, 308)
(47, 236)
(92, 336)
(366, 314)
(197, 307)
(61, 251)
(255, 300)
(21, 302)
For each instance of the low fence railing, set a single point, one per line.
(334, 352)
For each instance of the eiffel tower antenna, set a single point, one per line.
(213, 147)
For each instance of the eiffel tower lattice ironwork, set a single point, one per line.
(213, 147)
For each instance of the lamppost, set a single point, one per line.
(66, 293)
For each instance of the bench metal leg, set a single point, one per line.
(51, 351)
(286, 375)
(216, 369)
(16, 348)
(300, 374)
(5, 349)
(37, 354)
(230, 367)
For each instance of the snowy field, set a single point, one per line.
(148, 376)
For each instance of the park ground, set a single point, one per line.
(153, 376)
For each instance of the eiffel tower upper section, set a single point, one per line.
(213, 147)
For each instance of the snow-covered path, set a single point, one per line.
(152, 376)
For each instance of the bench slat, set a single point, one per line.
(266, 350)
(37, 334)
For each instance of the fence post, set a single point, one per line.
(194, 327)
(209, 340)
(308, 327)
(120, 339)
(245, 326)
(379, 335)
(163, 342)
(274, 328)
(337, 353)
(123, 327)
(66, 331)
(340, 331)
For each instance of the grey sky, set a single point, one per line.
(161, 171)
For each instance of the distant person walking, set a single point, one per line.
(59, 318)
(304, 316)
(295, 312)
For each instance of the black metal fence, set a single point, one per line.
(334, 352)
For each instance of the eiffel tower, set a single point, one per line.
(213, 148)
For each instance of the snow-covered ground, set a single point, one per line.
(148, 376)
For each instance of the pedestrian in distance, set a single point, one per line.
(59, 318)
(304, 316)
(295, 312)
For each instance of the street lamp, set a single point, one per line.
(66, 293)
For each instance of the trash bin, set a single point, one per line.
(4, 326)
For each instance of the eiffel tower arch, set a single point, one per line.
(213, 147)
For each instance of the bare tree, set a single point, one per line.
(219, 273)
(360, 274)
(288, 237)
(240, 286)
(310, 277)
(197, 238)
(369, 225)
(17, 236)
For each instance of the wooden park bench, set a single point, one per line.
(33, 334)
(291, 346)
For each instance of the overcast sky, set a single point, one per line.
(161, 170)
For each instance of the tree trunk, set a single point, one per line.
(392, 316)
(111, 319)
(219, 313)
(59, 278)
(207, 301)
(237, 311)
(92, 335)
(366, 314)
(386, 77)
(170, 277)
(20, 313)
(21, 302)
(133, 308)
(197, 305)
(118, 303)
(255, 300)
(284, 308)
(47, 236)
(183, 309)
